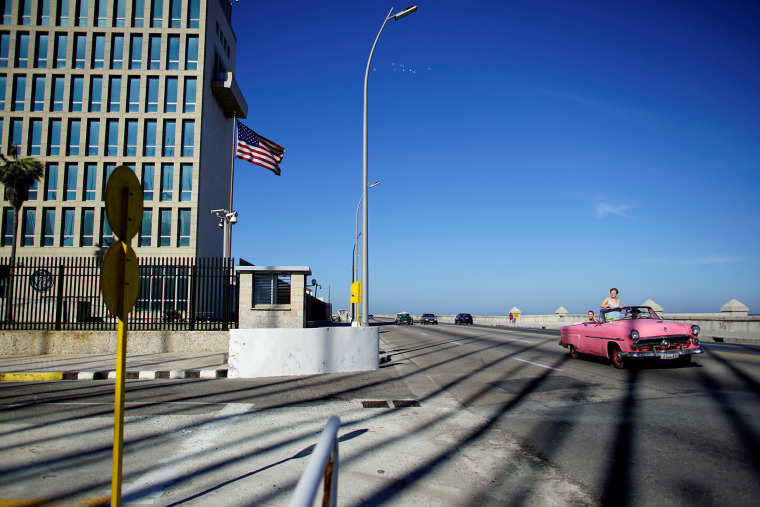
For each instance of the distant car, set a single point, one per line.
(428, 318)
(632, 332)
(404, 318)
(370, 316)
(463, 318)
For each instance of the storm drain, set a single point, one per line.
(405, 403)
(375, 404)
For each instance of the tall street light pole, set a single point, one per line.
(365, 215)
(354, 255)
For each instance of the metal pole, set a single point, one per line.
(226, 246)
(365, 216)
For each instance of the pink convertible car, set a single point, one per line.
(633, 332)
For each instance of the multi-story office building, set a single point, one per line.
(87, 85)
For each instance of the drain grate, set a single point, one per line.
(405, 403)
(375, 404)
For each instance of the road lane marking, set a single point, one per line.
(523, 341)
(127, 403)
(454, 342)
(536, 364)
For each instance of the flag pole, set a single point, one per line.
(232, 176)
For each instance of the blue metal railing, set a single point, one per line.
(323, 463)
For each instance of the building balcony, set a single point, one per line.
(227, 92)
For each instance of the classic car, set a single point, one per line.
(404, 318)
(428, 318)
(632, 332)
(463, 318)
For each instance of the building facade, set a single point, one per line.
(88, 85)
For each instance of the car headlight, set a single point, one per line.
(634, 334)
(695, 340)
(695, 330)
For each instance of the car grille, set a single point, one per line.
(656, 341)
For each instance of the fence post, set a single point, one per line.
(59, 297)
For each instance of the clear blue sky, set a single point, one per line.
(530, 153)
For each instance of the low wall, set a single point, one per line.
(36, 343)
(279, 352)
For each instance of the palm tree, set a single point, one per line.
(18, 175)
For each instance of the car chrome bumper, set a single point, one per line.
(653, 355)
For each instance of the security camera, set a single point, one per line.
(233, 219)
(221, 224)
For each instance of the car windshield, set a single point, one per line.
(428, 315)
(637, 312)
(403, 315)
(466, 315)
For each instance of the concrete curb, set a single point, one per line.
(111, 375)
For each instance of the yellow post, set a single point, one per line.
(118, 414)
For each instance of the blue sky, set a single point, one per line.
(530, 153)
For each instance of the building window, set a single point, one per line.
(135, 52)
(183, 228)
(147, 181)
(19, 89)
(190, 92)
(17, 130)
(77, 89)
(81, 13)
(149, 138)
(119, 13)
(169, 130)
(38, 93)
(117, 51)
(67, 227)
(7, 226)
(170, 99)
(25, 12)
(62, 18)
(43, 13)
(114, 94)
(4, 46)
(35, 141)
(80, 42)
(101, 10)
(145, 228)
(154, 52)
(90, 177)
(48, 227)
(188, 137)
(271, 289)
(172, 53)
(7, 7)
(98, 51)
(22, 50)
(75, 127)
(61, 40)
(96, 92)
(185, 182)
(165, 227)
(27, 227)
(107, 171)
(175, 13)
(32, 196)
(2, 92)
(51, 182)
(194, 14)
(112, 138)
(54, 138)
(130, 149)
(151, 93)
(40, 59)
(87, 227)
(156, 13)
(70, 182)
(138, 13)
(93, 132)
(106, 234)
(133, 94)
(58, 83)
(167, 182)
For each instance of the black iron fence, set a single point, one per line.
(64, 293)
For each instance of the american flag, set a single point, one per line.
(257, 149)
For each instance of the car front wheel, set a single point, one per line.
(616, 356)
(573, 352)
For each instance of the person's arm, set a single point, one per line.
(605, 303)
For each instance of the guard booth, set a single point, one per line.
(273, 297)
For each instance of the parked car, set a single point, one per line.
(633, 332)
(404, 318)
(463, 318)
(428, 318)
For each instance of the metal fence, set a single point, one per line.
(64, 293)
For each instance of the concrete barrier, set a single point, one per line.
(278, 352)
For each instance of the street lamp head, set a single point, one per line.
(374, 184)
(409, 10)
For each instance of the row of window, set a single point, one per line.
(167, 233)
(79, 182)
(99, 53)
(149, 102)
(141, 13)
(129, 142)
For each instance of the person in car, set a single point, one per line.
(614, 303)
(590, 317)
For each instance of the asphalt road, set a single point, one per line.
(505, 417)
(653, 434)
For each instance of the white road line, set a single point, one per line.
(524, 341)
(536, 364)
(145, 490)
(455, 342)
(127, 403)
